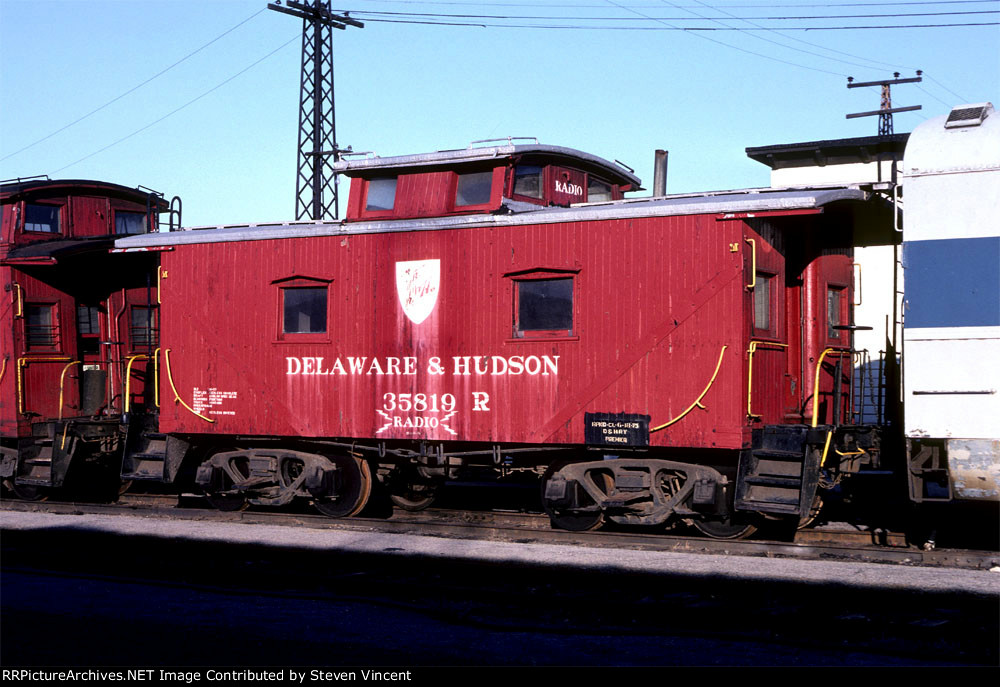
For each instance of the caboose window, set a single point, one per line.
(833, 311)
(598, 190)
(87, 320)
(544, 306)
(762, 302)
(41, 218)
(528, 181)
(41, 327)
(381, 194)
(304, 310)
(130, 222)
(143, 330)
(474, 188)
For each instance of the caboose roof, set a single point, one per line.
(373, 166)
(18, 189)
(747, 201)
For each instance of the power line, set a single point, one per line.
(768, 40)
(946, 88)
(435, 15)
(131, 90)
(190, 102)
(573, 27)
(747, 5)
(735, 47)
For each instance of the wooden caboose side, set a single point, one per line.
(79, 326)
(650, 355)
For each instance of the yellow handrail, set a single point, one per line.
(177, 396)
(753, 348)
(156, 377)
(62, 382)
(826, 447)
(160, 275)
(753, 269)
(19, 300)
(697, 401)
(62, 446)
(819, 365)
(128, 379)
(3, 368)
(23, 363)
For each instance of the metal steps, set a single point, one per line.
(779, 474)
(145, 455)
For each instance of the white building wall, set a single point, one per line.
(831, 174)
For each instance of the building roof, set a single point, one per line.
(832, 152)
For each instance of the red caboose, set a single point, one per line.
(78, 326)
(680, 357)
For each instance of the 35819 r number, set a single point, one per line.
(421, 403)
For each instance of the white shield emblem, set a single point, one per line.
(417, 284)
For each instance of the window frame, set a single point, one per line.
(145, 221)
(376, 213)
(59, 218)
(91, 338)
(543, 171)
(544, 274)
(771, 331)
(153, 330)
(300, 282)
(472, 207)
(837, 336)
(54, 324)
(594, 178)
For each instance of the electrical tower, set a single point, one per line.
(315, 180)
(886, 109)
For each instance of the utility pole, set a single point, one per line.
(315, 181)
(886, 109)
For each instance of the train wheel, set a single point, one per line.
(731, 528)
(355, 488)
(576, 521)
(222, 498)
(413, 496)
(27, 492)
(409, 491)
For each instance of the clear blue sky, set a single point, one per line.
(406, 88)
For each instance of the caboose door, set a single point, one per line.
(765, 327)
(827, 338)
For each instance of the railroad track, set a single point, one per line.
(839, 542)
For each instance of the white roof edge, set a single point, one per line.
(722, 202)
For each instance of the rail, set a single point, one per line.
(128, 379)
(156, 377)
(18, 300)
(697, 401)
(753, 268)
(62, 384)
(819, 367)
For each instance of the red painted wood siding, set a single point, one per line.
(656, 300)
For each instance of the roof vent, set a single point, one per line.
(968, 115)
